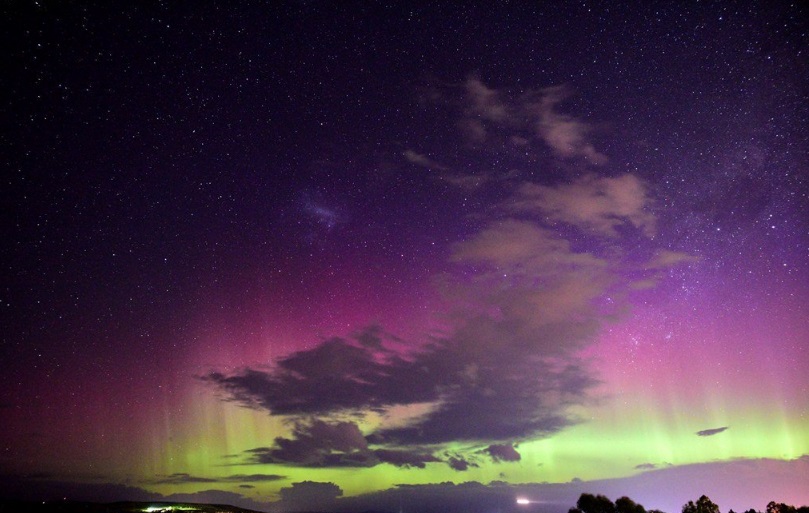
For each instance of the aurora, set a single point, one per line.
(303, 256)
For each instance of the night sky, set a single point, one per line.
(353, 255)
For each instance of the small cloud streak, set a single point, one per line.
(422, 160)
(183, 478)
(711, 432)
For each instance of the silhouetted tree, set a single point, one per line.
(627, 505)
(574, 510)
(703, 505)
(780, 507)
(589, 503)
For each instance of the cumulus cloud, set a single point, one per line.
(711, 432)
(508, 371)
(523, 303)
(486, 382)
(600, 204)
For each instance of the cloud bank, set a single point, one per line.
(525, 301)
(738, 484)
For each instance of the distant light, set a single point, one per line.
(523, 500)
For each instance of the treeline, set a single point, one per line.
(589, 503)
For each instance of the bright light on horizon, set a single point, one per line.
(523, 500)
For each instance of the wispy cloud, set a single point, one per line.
(423, 160)
(665, 259)
(533, 115)
(183, 478)
(566, 135)
(600, 204)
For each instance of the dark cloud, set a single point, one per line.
(711, 432)
(338, 444)
(318, 444)
(339, 374)
(495, 379)
(645, 466)
(182, 478)
(405, 459)
(252, 478)
(509, 369)
(503, 452)
(460, 464)
(309, 495)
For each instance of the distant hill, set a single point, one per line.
(116, 507)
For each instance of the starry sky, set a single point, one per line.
(427, 257)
